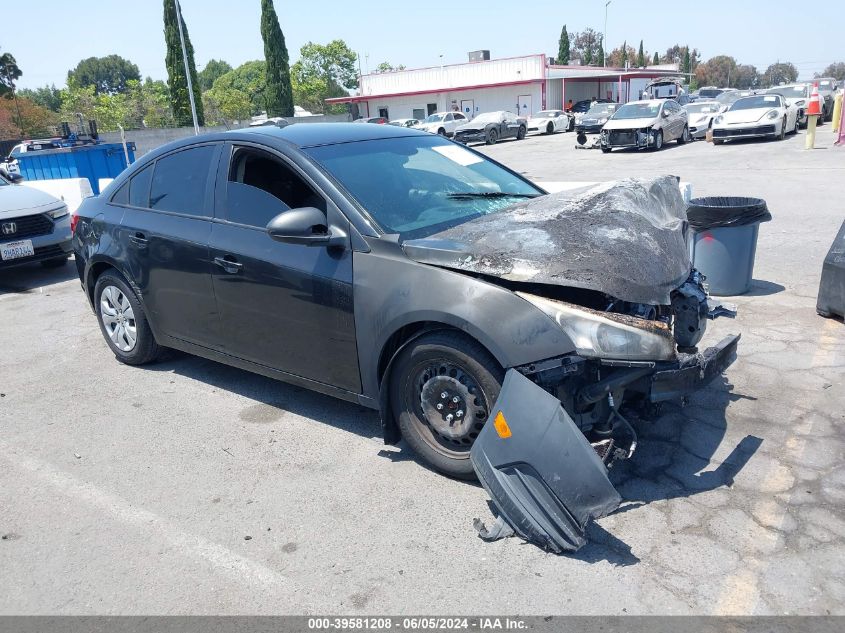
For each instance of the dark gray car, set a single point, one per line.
(402, 271)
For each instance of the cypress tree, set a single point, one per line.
(279, 91)
(656, 60)
(641, 56)
(563, 51)
(687, 68)
(180, 103)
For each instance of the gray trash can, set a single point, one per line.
(724, 240)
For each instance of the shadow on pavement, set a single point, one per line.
(30, 277)
(761, 288)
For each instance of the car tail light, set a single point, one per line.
(73, 220)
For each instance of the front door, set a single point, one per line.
(165, 230)
(525, 106)
(284, 306)
(468, 107)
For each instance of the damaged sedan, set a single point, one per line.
(500, 330)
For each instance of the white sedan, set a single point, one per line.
(442, 123)
(550, 121)
(758, 116)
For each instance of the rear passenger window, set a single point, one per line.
(261, 186)
(180, 180)
(139, 187)
(121, 196)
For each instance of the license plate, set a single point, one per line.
(14, 250)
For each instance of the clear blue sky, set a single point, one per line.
(48, 37)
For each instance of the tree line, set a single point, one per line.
(587, 48)
(111, 91)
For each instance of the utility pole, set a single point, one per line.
(604, 44)
(187, 70)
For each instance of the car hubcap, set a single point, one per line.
(453, 405)
(118, 318)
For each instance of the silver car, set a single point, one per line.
(645, 124)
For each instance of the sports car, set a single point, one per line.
(550, 121)
(700, 115)
(799, 96)
(758, 116)
(489, 127)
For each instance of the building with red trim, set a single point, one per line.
(518, 84)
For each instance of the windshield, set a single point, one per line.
(637, 111)
(601, 109)
(790, 92)
(758, 101)
(418, 186)
(826, 84)
(434, 118)
(726, 98)
(709, 92)
(489, 117)
(702, 108)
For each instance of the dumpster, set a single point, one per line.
(93, 161)
(831, 300)
(724, 240)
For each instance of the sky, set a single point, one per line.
(49, 37)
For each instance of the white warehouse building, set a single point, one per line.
(522, 85)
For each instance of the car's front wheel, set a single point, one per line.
(442, 388)
(658, 141)
(123, 321)
(492, 137)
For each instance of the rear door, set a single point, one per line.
(284, 306)
(165, 231)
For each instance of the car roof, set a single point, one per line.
(648, 101)
(313, 134)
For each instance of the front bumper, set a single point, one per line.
(692, 371)
(748, 131)
(51, 245)
(471, 137)
(626, 139)
(589, 129)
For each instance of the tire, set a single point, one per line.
(684, 137)
(658, 141)
(452, 363)
(550, 128)
(795, 129)
(441, 132)
(782, 134)
(571, 127)
(56, 262)
(718, 141)
(492, 137)
(113, 297)
(520, 134)
(606, 150)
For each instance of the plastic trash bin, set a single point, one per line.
(724, 240)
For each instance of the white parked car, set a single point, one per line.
(443, 123)
(404, 122)
(550, 121)
(797, 95)
(700, 115)
(34, 227)
(645, 124)
(758, 116)
(10, 163)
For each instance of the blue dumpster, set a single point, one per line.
(101, 160)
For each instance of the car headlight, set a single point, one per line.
(606, 335)
(602, 121)
(772, 114)
(799, 103)
(58, 212)
(719, 119)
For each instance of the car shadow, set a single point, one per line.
(675, 453)
(30, 277)
(281, 396)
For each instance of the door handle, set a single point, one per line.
(139, 240)
(229, 264)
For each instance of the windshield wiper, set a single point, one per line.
(490, 194)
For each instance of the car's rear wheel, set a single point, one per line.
(520, 133)
(56, 262)
(442, 387)
(571, 127)
(492, 137)
(718, 141)
(684, 137)
(441, 132)
(606, 150)
(550, 128)
(123, 321)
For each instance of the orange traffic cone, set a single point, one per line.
(814, 110)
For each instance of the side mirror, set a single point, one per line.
(305, 225)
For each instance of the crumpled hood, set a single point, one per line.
(625, 238)
(17, 200)
(629, 124)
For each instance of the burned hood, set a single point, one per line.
(625, 239)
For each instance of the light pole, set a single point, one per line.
(604, 44)
(187, 70)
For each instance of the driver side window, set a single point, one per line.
(260, 186)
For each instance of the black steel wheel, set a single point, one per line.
(442, 388)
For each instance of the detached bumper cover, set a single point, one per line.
(539, 470)
(694, 371)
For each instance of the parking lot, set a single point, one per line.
(192, 487)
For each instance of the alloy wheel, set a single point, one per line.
(118, 318)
